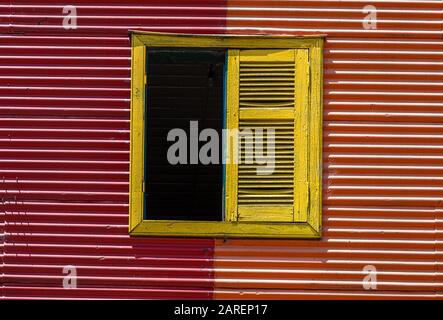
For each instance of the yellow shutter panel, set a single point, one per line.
(267, 91)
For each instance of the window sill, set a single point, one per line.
(221, 229)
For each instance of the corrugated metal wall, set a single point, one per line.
(64, 125)
(382, 157)
(64, 135)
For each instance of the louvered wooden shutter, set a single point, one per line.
(268, 89)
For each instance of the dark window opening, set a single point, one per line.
(182, 86)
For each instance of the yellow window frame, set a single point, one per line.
(311, 122)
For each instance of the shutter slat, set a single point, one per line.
(266, 101)
(265, 95)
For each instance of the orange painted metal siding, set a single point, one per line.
(64, 140)
(382, 157)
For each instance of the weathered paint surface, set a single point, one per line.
(64, 159)
(382, 157)
(64, 136)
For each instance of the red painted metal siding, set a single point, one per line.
(64, 126)
(64, 141)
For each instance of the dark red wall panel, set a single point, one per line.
(64, 153)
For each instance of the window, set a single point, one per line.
(185, 88)
(226, 136)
